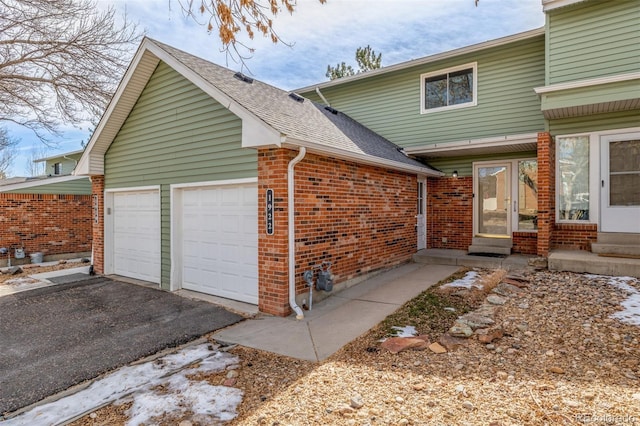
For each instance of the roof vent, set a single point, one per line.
(296, 97)
(331, 110)
(243, 77)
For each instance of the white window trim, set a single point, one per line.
(474, 102)
(594, 178)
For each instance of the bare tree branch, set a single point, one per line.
(7, 152)
(232, 18)
(60, 61)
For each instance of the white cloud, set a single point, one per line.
(327, 34)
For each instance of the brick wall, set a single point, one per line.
(449, 212)
(97, 190)
(358, 217)
(51, 224)
(525, 242)
(570, 236)
(546, 192)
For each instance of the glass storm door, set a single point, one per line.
(492, 200)
(620, 183)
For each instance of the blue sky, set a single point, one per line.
(320, 35)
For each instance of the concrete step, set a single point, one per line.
(493, 242)
(584, 261)
(619, 249)
(461, 258)
(618, 238)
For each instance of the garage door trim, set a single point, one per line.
(109, 243)
(176, 215)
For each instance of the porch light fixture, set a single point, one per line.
(455, 174)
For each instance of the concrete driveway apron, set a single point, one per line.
(55, 337)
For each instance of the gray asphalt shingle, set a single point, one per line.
(305, 121)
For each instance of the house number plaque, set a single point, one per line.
(269, 211)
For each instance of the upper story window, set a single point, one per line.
(450, 88)
(57, 169)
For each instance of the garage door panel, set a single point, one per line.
(219, 241)
(136, 235)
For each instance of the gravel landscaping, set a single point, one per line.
(562, 348)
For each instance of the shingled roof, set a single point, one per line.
(297, 120)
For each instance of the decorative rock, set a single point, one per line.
(538, 262)
(467, 405)
(496, 300)
(571, 403)
(14, 270)
(357, 402)
(475, 321)
(589, 396)
(345, 409)
(435, 347)
(93, 415)
(229, 382)
(636, 396)
(502, 375)
(491, 336)
(185, 423)
(506, 289)
(451, 343)
(231, 374)
(555, 370)
(399, 399)
(460, 329)
(399, 344)
(62, 262)
(419, 387)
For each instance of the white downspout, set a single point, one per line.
(326, 102)
(292, 232)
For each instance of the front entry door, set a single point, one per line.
(620, 183)
(492, 204)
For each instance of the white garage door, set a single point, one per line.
(220, 241)
(136, 235)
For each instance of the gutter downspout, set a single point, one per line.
(292, 232)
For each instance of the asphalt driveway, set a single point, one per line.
(54, 337)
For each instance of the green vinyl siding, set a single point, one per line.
(67, 164)
(389, 103)
(595, 123)
(176, 133)
(464, 165)
(73, 187)
(593, 39)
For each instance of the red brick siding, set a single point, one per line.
(546, 192)
(97, 189)
(525, 242)
(450, 212)
(51, 224)
(358, 217)
(570, 236)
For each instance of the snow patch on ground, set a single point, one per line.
(468, 281)
(136, 382)
(631, 312)
(406, 331)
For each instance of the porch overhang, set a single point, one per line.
(486, 146)
(592, 96)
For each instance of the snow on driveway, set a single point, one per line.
(136, 383)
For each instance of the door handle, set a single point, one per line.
(515, 206)
(602, 183)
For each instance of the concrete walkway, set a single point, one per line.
(340, 318)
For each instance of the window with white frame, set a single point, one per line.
(450, 88)
(572, 157)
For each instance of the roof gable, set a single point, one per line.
(270, 117)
